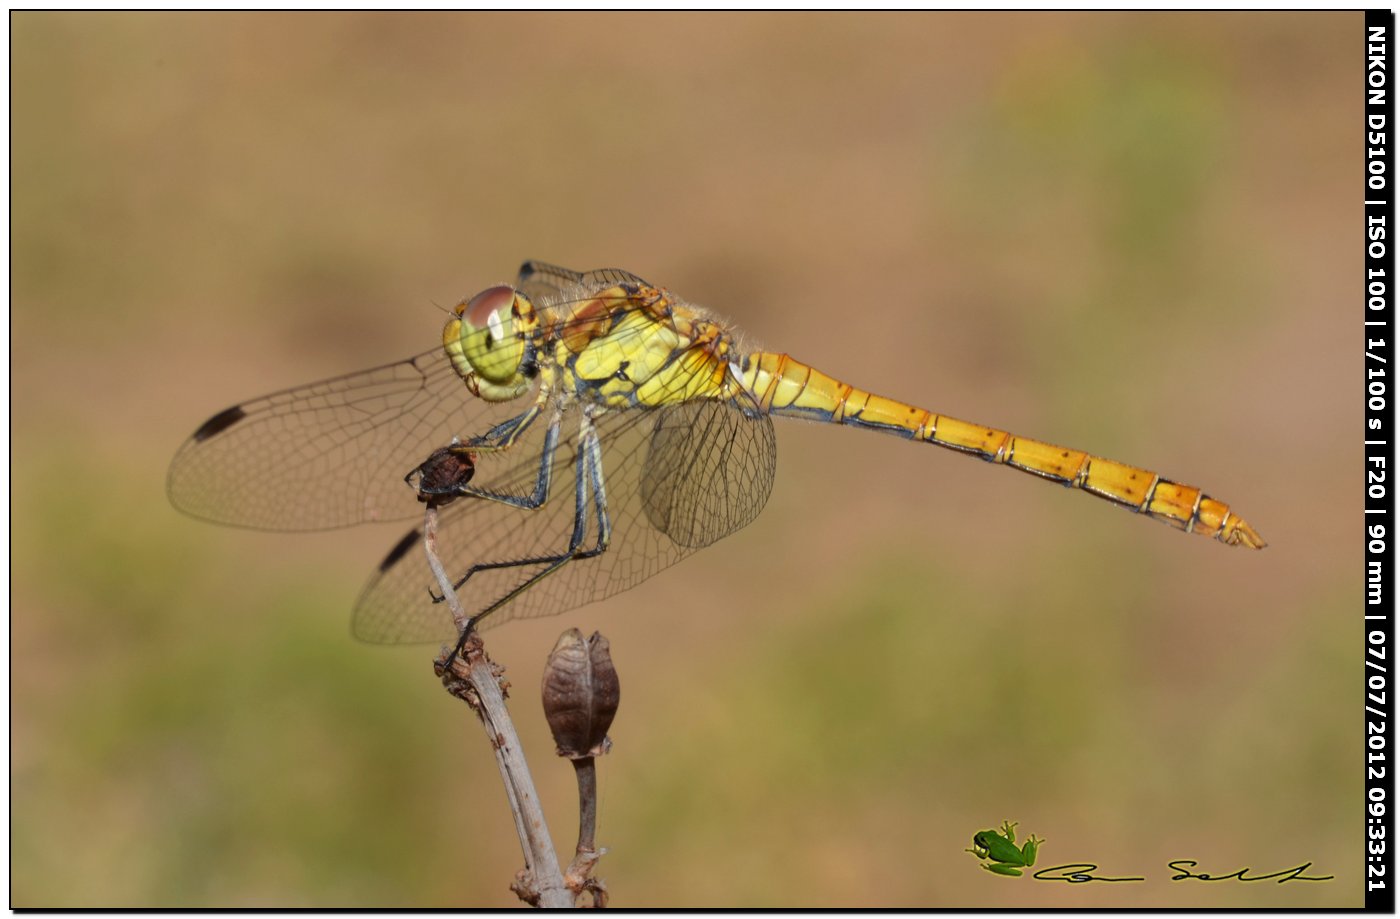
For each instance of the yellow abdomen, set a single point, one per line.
(784, 386)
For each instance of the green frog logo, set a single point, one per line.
(998, 850)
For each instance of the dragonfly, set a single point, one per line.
(581, 432)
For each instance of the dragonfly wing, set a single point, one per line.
(676, 478)
(544, 283)
(607, 277)
(547, 284)
(708, 472)
(327, 454)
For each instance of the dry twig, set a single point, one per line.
(472, 677)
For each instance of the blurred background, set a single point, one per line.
(1130, 234)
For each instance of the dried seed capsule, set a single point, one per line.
(581, 693)
(441, 474)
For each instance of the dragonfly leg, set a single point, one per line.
(499, 438)
(538, 496)
(588, 473)
(580, 524)
(504, 435)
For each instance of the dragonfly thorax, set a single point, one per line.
(488, 339)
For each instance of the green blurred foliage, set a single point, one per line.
(1129, 233)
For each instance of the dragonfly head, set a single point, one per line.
(486, 339)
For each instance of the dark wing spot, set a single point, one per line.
(400, 550)
(220, 423)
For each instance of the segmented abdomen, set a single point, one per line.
(784, 386)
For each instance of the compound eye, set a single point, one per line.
(483, 338)
(490, 310)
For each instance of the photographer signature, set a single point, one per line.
(999, 854)
(1082, 873)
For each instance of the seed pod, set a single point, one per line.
(445, 470)
(581, 693)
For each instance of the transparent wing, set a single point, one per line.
(547, 284)
(542, 282)
(676, 479)
(334, 453)
(328, 454)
